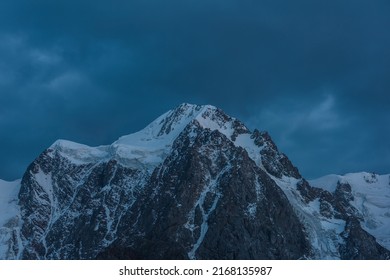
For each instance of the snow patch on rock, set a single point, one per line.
(9, 217)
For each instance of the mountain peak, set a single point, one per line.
(169, 125)
(151, 144)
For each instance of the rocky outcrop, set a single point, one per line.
(274, 162)
(360, 245)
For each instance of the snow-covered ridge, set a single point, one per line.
(371, 194)
(365, 179)
(166, 128)
(79, 153)
(150, 146)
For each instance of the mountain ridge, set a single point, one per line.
(130, 199)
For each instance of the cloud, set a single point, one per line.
(66, 83)
(92, 71)
(324, 116)
(291, 115)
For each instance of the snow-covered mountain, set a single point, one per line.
(371, 193)
(194, 184)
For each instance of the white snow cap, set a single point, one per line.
(149, 146)
(169, 125)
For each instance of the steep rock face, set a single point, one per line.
(274, 162)
(209, 200)
(71, 209)
(194, 184)
(360, 245)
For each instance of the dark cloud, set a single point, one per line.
(313, 73)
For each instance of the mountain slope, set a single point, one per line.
(9, 219)
(194, 184)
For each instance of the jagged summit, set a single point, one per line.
(169, 125)
(151, 145)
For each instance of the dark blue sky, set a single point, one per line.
(315, 74)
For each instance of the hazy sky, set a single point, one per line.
(315, 74)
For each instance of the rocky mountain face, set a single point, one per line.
(194, 184)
